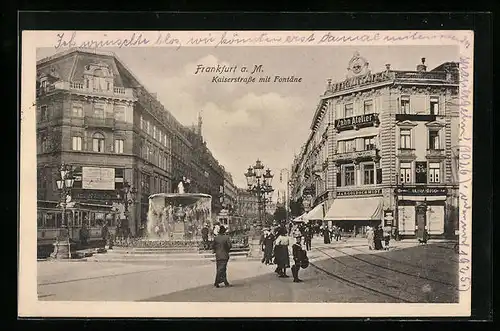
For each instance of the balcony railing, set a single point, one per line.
(357, 122)
(435, 153)
(371, 154)
(425, 75)
(105, 122)
(80, 87)
(406, 152)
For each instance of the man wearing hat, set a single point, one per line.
(222, 246)
(204, 235)
(267, 246)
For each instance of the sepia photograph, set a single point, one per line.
(256, 167)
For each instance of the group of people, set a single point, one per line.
(378, 238)
(275, 244)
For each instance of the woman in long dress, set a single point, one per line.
(370, 237)
(326, 235)
(281, 254)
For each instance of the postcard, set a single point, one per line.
(246, 173)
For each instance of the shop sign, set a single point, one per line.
(376, 191)
(359, 121)
(94, 178)
(388, 217)
(422, 191)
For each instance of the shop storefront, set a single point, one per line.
(354, 215)
(420, 210)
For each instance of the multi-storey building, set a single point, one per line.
(95, 115)
(382, 148)
(229, 194)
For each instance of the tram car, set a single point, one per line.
(231, 222)
(49, 220)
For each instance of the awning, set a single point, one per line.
(317, 213)
(300, 218)
(355, 209)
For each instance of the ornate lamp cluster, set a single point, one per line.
(259, 183)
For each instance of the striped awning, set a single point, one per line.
(355, 209)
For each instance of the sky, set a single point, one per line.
(266, 121)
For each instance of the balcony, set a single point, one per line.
(422, 75)
(415, 117)
(357, 122)
(371, 154)
(406, 153)
(119, 92)
(435, 153)
(96, 122)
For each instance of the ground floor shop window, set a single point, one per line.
(406, 220)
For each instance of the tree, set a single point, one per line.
(296, 208)
(280, 213)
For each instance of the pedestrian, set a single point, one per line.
(84, 234)
(204, 236)
(104, 233)
(378, 236)
(267, 247)
(216, 229)
(337, 233)
(370, 237)
(222, 246)
(298, 257)
(308, 237)
(326, 235)
(281, 254)
(387, 237)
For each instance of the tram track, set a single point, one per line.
(390, 283)
(404, 263)
(395, 270)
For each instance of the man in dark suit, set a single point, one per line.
(222, 246)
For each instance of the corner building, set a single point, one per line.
(382, 150)
(95, 115)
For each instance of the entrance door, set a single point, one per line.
(421, 219)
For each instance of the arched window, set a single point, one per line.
(98, 142)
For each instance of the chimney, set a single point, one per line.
(388, 66)
(422, 67)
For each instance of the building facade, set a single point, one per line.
(382, 150)
(95, 115)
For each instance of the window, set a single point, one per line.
(350, 146)
(434, 170)
(99, 111)
(76, 143)
(349, 175)
(98, 143)
(44, 114)
(368, 107)
(147, 127)
(120, 114)
(434, 105)
(77, 111)
(348, 110)
(119, 146)
(369, 143)
(87, 83)
(433, 139)
(405, 105)
(44, 143)
(405, 139)
(405, 172)
(341, 146)
(141, 122)
(44, 84)
(368, 174)
(108, 86)
(154, 131)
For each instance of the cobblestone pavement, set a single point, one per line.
(340, 272)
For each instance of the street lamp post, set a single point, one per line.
(259, 183)
(128, 197)
(62, 248)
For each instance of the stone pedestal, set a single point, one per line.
(62, 250)
(178, 231)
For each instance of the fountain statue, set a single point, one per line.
(178, 216)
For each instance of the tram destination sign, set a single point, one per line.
(422, 190)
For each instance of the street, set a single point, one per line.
(339, 272)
